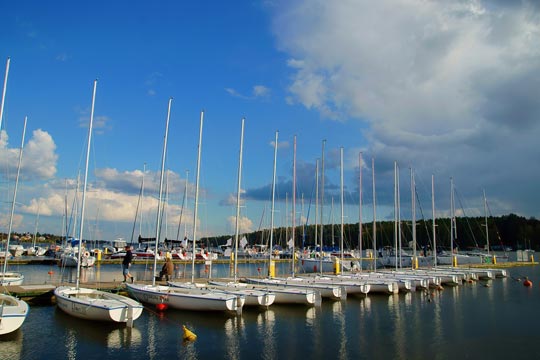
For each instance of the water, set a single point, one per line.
(466, 322)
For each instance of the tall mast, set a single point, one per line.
(322, 192)
(238, 189)
(486, 219)
(317, 206)
(37, 223)
(342, 204)
(360, 207)
(81, 225)
(374, 215)
(399, 218)
(4, 95)
(434, 225)
(413, 210)
(163, 156)
(182, 208)
(395, 216)
(196, 199)
(270, 271)
(316, 203)
(14, 200)
(294, 207)
(452, 216)
(142, 199)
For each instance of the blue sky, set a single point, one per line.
(447, 88)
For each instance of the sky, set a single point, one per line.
(446, 88)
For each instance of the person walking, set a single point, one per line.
(168, 268)
(126, 264)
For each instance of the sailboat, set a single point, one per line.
(13, 311)
(285, 293)
(184, 298)
(93, 304)
(253, 297)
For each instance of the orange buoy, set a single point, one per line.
(527, 282)
(161, 306)
(50, 272)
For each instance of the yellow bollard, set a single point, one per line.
(337, 267)
(98, 252)
(272, 269)
(454, 260)
(494, 260)
(415, 263)
(532, 258)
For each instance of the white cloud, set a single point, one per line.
(258, 91)
(245, 225)
(39, 156)
(446, 86)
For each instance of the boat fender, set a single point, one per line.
(86, 254)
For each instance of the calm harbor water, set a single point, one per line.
(473, 321)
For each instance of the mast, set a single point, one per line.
(317, 207)
(81, 225)
(486, 219)
(452, 217)
(342, 204)
(158, 219)
(433, 211)
(182, 208)
(196, 198)
(395, 216)
(322, 192)
(271, 264)
(37, 223)
(14, 200)
(413, 211)
(399, 218)
(374, 216)
(4, 94)
(316, 203)
(142, 199)
(360, 207)
(238, 189)
(294, 207)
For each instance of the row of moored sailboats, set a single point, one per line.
(228, 296)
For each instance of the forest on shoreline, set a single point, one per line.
(505, 231)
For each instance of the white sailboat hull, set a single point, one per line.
(11, 278)
(13, 312)
(70, 260)
(91, 304)
(253, 297)
(287, 294)
(185, 299)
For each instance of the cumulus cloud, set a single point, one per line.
(245, 225)
(446, 87)
(39, 156)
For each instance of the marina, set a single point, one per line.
(412, 324)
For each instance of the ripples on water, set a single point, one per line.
(470, 321)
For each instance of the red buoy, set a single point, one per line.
(527, 283)
(50, 272)
(161, 306)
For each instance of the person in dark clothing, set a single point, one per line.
(126, 264)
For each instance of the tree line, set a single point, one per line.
(507, 231)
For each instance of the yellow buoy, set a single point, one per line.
(188, 334)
